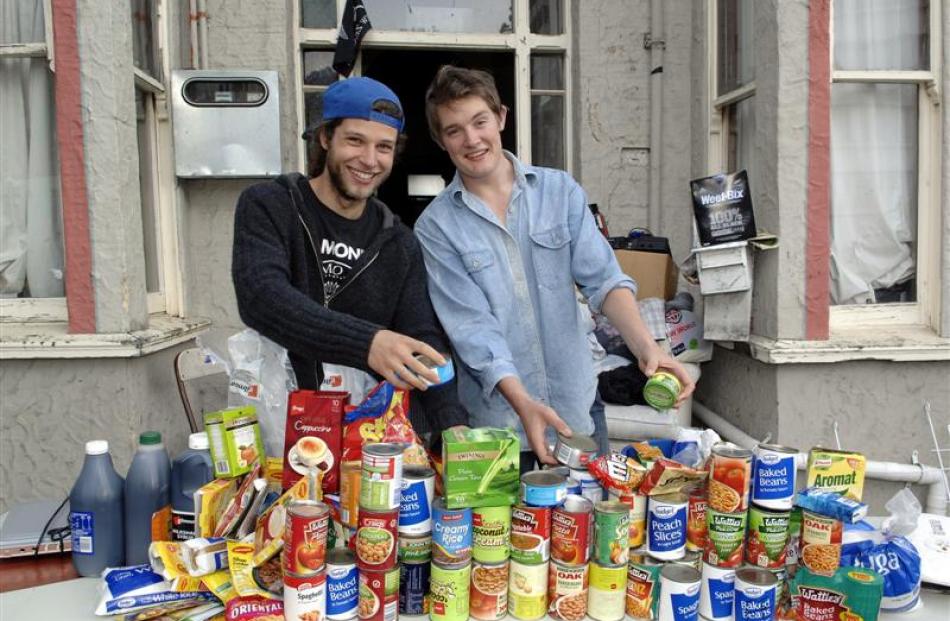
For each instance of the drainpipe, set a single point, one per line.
(655, 41)
(202, 19)
(193, 32)
(918, 474)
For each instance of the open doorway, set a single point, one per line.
(408, 73)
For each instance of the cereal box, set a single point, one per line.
(235, 439)
(480, 467)
(839, 471)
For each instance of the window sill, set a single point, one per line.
(893, 343)
(31, 341)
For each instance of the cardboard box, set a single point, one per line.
(654, 272)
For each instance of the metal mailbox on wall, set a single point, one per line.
(227, 123)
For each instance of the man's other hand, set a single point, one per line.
(536, 418)
(658, 359)
(392, 355)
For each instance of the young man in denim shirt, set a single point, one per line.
(504, 245)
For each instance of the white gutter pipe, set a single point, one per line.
(193, 31)
(937, 501)
(202, 19)
(655, 41)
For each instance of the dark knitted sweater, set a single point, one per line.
(279, 290)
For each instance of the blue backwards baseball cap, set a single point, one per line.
(363, 98)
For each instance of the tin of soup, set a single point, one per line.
(679, 593)
(725, 537)
(305, 596)
(611, 533)
(381, 477)
(376, 539)
(451, 534)
(576, 451)
(666, 526)
(730, 472)
(414, 588)
(543, 488)
(342, 584)
(696, 519)
(643, 588)
(527, 591)
(305, 537)
(571, 530)
(638, 515)
(415, 505)
(716, 594)
(767, 538)
(491, 531)
(489, 591)
(607, 595)
(379, 595)
(567, 591)
(755, 595)
(530, 534)
(449, 593)
(773, 476)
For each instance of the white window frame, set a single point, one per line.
(926, 310)
(521, 41)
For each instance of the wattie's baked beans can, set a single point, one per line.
(730, 472)
(611, 534)
(415, 505)
(820, 543)
(416, 549)
(305, 537)
(530, 534)
(717, 593)
(381, 477)
(725, 538)
(643, 587)
(379, 595)
(679, 593)
(767, 538)
(414, 588)
(755, 595)
(449, 593)
(607, 595)
(305, 597)
(567, 591)
(491, 531)
(773, 476)
(696, 519)
(350, 492)
(376, 539)
(527, 590)
(488, 600)
(343, 584)
(451, 534)
(571, 529)
(666, 526)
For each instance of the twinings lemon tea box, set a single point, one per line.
(235, 440)
(838, 471)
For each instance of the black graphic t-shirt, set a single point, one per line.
(343, 240)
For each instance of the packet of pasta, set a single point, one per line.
(668, 476)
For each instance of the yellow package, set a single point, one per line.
(211, 500)
(165, 557)
(248, 580)
(839, 471)
(187, 584)
(269, 534)
(221, 585)
(274, 471)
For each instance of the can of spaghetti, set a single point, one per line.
(415, 549)
(527, 590)
(730, 471)
(379, 595)
(696, 519)
(491, 530)
(638, 515)
(576, 451)
(530, 534)
(607, 595)
(724, 538)
(773, 476)
(767, 537)
(489, 591)
(679, 592)
(305, 537)
(716, 594)
(820, 543)
(611, 533)
(350, 492)
(543, 488)
(755, 595)
(305, 597)
(666, 526)
(567, 591)
(449, 592)
(571, 529)
(342, 584)
(381, 477)
(414, 588)
(376, 539)
(451, 534)
(643, 587)
(415, 504)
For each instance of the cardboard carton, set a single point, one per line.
(654, 272)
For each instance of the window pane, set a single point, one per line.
(144, 50)
(318, 13)
(882, 34)
(545, 17)
(145, 118)
(494, 16)
(22, 22)
(547, 130)
(873, 192)
(313, 112)
(318, 68)
(735, 31)
(741, 137)
(547, 72)
(31, 223)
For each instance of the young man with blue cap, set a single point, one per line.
(323, 268)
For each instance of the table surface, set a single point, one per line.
(26, 571)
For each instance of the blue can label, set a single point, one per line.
(451, 535)
(754, 603)
(342, 591)
(720, 597)
(413, 588)
(773, 476)
(543, 496)
(666, 528)
(414, 508)
(685, 606)
(82, 525)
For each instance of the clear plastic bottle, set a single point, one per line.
(95, 513)
(190, 470)
(147, 497)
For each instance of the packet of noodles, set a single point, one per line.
(254, 609)
(668, 476)
(831, 504)
(617, 472)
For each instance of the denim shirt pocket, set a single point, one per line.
(551, 254)
(477, 264)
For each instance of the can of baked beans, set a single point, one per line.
(567, 591)
(376, 539)
(543, 488)
(666, 526)
(638, 515)
(343, 584)
(350, 492)
(415, 505)
(379, 595)
(773, 476)
(611, 533)
(414, 588)
(305, 537)
(414, 549)
(767, 537)
(576, 451)
(527, 590)
(696, 519)
(572, 526)
(820, 543)
(679, 592)
(451, 534)
(491, 531)
(449, 593)
(643, 587)
(381, 477)
(725, 538)
(530, 534)
(755, 595)
(305, 597)
(488, 600)
(607, 596)
(717, 593)
(730, 472)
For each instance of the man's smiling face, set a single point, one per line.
(471, 134)
(359, 157)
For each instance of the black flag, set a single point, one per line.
(353, 28)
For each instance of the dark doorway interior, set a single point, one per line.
(408, 73)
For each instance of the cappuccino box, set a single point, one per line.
(480, 467)
(235, 440)
(314, 436)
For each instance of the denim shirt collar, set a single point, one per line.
(523, 175)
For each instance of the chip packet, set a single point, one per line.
(617, 472)
(668, 477)
(382, 417)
